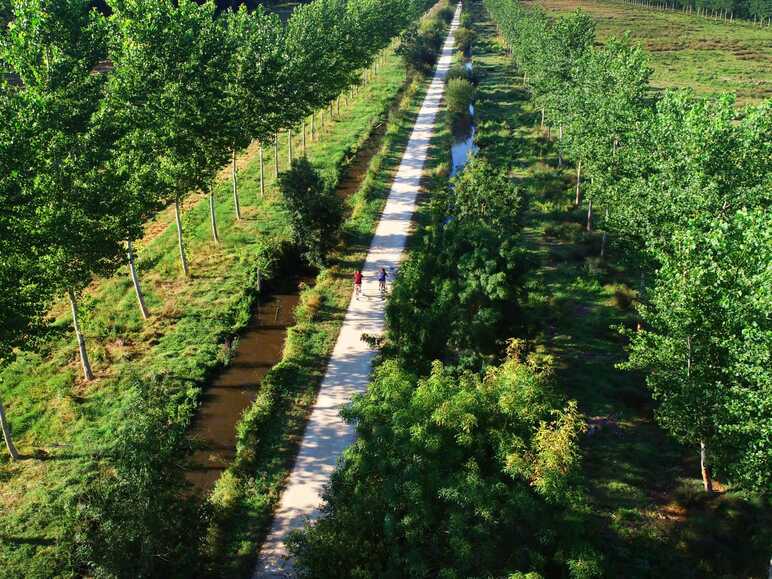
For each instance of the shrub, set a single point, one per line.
(137, 516)
(464, 39)
(418, 50)
(446, 14)
(450, 475)
(624, 297)
(459, 95)
(315, 211)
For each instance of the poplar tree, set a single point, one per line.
(170, 66)
(53, 47)
(255, 95)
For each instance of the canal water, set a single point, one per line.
(463, 147)
(234, 389)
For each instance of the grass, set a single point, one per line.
(687, 50)
(649, 514)
(57, 416)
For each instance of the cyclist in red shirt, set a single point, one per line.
(357, 283)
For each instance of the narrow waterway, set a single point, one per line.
(463, 147)
(234, 388)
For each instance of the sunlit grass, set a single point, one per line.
(709, 56)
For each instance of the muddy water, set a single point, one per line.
(234, 389)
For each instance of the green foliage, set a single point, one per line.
(458, 70)
(677, 176)
(451, 475)
(418, 51)
(315, 211)
(421, 43)
(457, 294)
(464, 38)
(459, 95)
(137, 517)
(445, 14)
(255, 87)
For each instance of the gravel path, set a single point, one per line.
(327, 435)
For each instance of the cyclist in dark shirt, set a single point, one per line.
(382, 275)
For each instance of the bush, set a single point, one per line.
(459, 95)
(449, 477)
(466, 19)
(464, 39)
(316, 213)
(458, 292)
(446, 14)
(137, 517)
(417, 51)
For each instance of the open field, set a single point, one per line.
(646, 504)
(688, 50)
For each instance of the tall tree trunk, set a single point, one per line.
(87, 373)
(605, 235)
(542, 118)
(7, 434)
(578, 183)
(135, 280)
(707, 480)
(304, 136)
(276, 156)
(213, 217)
(234, 180)
(180, 240)
(262, 171)
(589, 216)
(289, 146)
(560, 146)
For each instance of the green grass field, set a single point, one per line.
(687, 50)
(646, 506)
(55, 415)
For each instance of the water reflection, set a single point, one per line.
(462, 150)
(463, 147)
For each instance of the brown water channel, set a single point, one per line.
(235, 387)
(260, 347)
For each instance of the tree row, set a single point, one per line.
(758, 11)
(685, 184)
(107, 120)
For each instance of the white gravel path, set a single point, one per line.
(327, 435)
